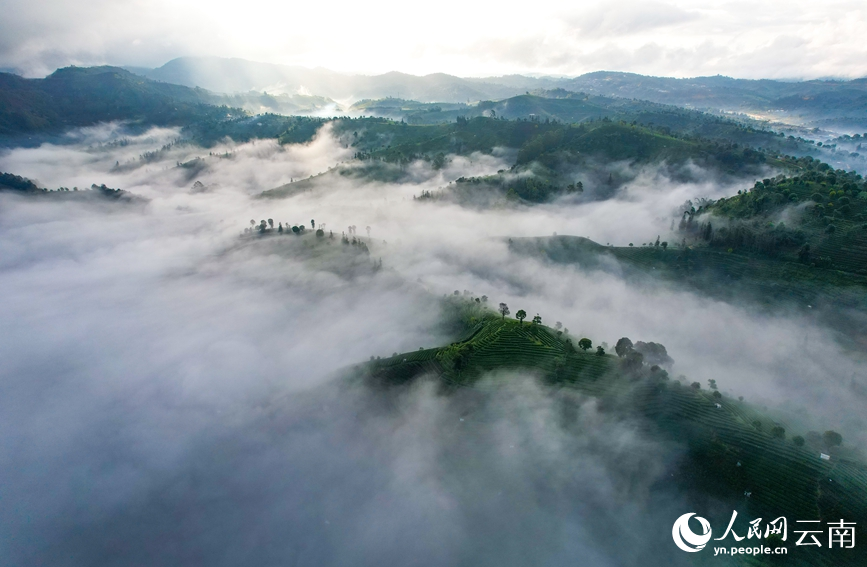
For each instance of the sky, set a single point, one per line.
(792, 39)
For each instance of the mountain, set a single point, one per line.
(841, 104)
(238, 75)
(830, 102)
(76, 96)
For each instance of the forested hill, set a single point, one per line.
(572, 107)
(813, 99)
(833, 103)
(728, 450)
(75, 96)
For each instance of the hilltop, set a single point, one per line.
(75, 96)
(25, 187)
(732, 452)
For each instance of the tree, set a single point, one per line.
(537, 320)
(280, 228)
(623, 347)
(558, 325)
(271, 223)
(439, 161)
(312, 224)
(664, 245)
(633, 361)
(521, 315)
(798, 441)
(585, 344)
(778, 432)
(654, 353)
(600, 351)
(696, 385)
(712, 384)
(367, 228)
(832, 438)
(504, 310)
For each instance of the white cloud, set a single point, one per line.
(677, 38)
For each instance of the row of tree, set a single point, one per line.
(584, 344)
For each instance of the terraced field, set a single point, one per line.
(730, 454)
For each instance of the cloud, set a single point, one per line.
(459, 38)
(628, 18)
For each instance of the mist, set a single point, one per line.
(171, 391)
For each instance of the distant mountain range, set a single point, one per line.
(74, 97)
(814, 102)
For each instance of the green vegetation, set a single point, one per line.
(735, 276)
(24, 186)
(12, 182)
(841, 103)
(75, 96)
(731, 451)
(346, 255)
(553, 158)
(817, 218)
(564, 106)
(209, 131)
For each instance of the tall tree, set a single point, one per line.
(521, 315)
(504, 310)
(623, 347)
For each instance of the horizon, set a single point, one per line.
(133, 68)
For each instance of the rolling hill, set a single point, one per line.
(731, 451)
(75, 96)
(840, 104)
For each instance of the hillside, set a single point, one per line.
(74, 97)
(11, 183)
(731, 451)
(837, 297)
(834, 103)
(570, 107)
(841, 103)
(817, 217)
(560, 158)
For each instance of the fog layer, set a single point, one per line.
(167, 394)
